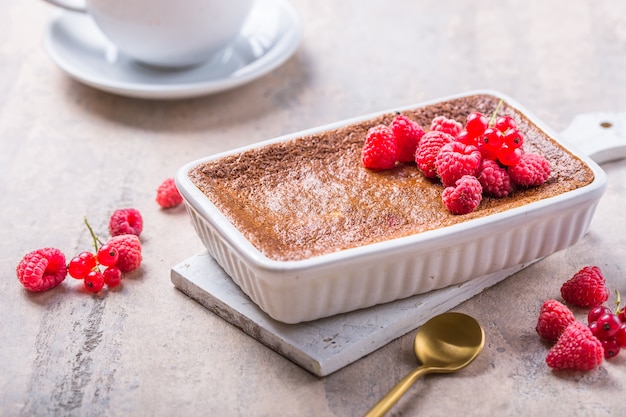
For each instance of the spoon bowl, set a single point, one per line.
(444, 344)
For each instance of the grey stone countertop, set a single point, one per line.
(68, 151)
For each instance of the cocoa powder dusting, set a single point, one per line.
(311, 195)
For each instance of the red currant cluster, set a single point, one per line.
(86, 266)
(609, 328)
(497, 139)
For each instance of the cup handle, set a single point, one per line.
(73, 5)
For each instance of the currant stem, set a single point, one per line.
(93, 235)
(492, 121)
(617, 301)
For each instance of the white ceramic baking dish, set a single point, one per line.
(347, 280)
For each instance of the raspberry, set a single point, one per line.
(408, 134)
(554, 318)
(530, 170)
(428, 149)
(576, 349)
(168, 195)
(42, 269)
(129, 250)
(126, 221)
(494, 179)
(443, 124)
(465, 197)
(456, 160)
(380, 150)
(586, 288)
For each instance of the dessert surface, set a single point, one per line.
(311, 195)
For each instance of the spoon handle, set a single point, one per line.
(396, 392)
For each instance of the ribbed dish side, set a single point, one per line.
(352, 284)
(390, 281)
(228, 259)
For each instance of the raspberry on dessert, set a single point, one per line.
(168, 195)
(380, 150)
(129, 251)
(408, 134)
(576, 349)
(530, 170)
(455, 160)
(494, 179)
(443, 124)
(464, 197)
(428, 149)
(126, 221)
(586, 288)
(42, 269)
(554, 317)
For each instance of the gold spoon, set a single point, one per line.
(444, 344)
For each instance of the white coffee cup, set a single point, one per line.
(167, 33)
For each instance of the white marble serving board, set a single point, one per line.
(325, 345)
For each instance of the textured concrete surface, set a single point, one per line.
(68, 151)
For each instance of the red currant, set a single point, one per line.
(621, 313)
(593, 326)
(107, 255)
(504, 123)
(514, 138)
(595, 313)
(492, 138)
(80, 265)
(608, 325)
(621, 335)
(77, 268)
(611, 347)
(509, 156)
(94, 281)
(465, 138)
(112, 276)
(476, 124)
(89, 258)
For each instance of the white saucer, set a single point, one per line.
(269, 37)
